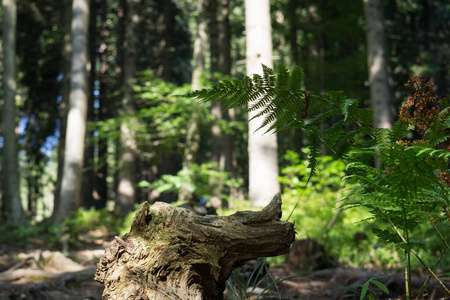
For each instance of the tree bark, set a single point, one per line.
(222, 143)
(200, 45)
(262, 148)
(172, 253)
(76, 119)
(220, 45)
(380, 90)
(11, 183)
(193, 130)
(101, 186)
(127, 178)
(65, 94)
(292, 17)
(88, 184)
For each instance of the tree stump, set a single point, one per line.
(172, 253)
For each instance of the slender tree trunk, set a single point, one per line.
(380, 90)
(292, 16)
(11, 183)
(126, 191)
(76, 119)
(89, 166)
(168, 162)
(101, 187)
(162, 27)
(431, 45)
(222, 144)
(63, 106)
(200, 45)
(220, 63)
(262, 149)
(193, 134)
(224, 67)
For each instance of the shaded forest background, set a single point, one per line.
(145, 142)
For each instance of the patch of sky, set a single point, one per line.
(49, 144)
(23, 122)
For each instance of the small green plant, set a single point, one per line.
(369, 287)
(240, 287)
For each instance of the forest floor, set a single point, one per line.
(36, 273)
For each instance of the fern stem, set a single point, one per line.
(439, 233)
(414, 252)
(407, 257)
(425, 283)
(407, 276)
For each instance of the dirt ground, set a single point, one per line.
(34, 273)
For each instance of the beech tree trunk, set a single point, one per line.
(70, 196)
(172, 253)
(262, 148)
(11, 186)
(380, 90)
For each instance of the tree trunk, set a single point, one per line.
(63, 106)
(162, 27)
(76, 118)
(193, 134)
(292, 17)
(262, 149)
(220, 45)
(101, 186)
(200, 44)
(171, 253)
(11, 183)
(380, 90)
(431, 45)
(127, 177)
(222, 144)
(88, 184)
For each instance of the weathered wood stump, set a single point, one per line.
(172, 253)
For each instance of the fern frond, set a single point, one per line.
(346, 106)
(296, 79)
(314, 149)
(282, 78)
(269, 76)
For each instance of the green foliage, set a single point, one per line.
(312, 208)
(240, 287)
(27, 233)
(410, 187)
(197, 179)
(162, 115)
(82, 225)
(278, 97)
(84, 221)
(316, 203)
(369, 287)
(409, 193)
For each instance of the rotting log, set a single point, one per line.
(172, 253)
